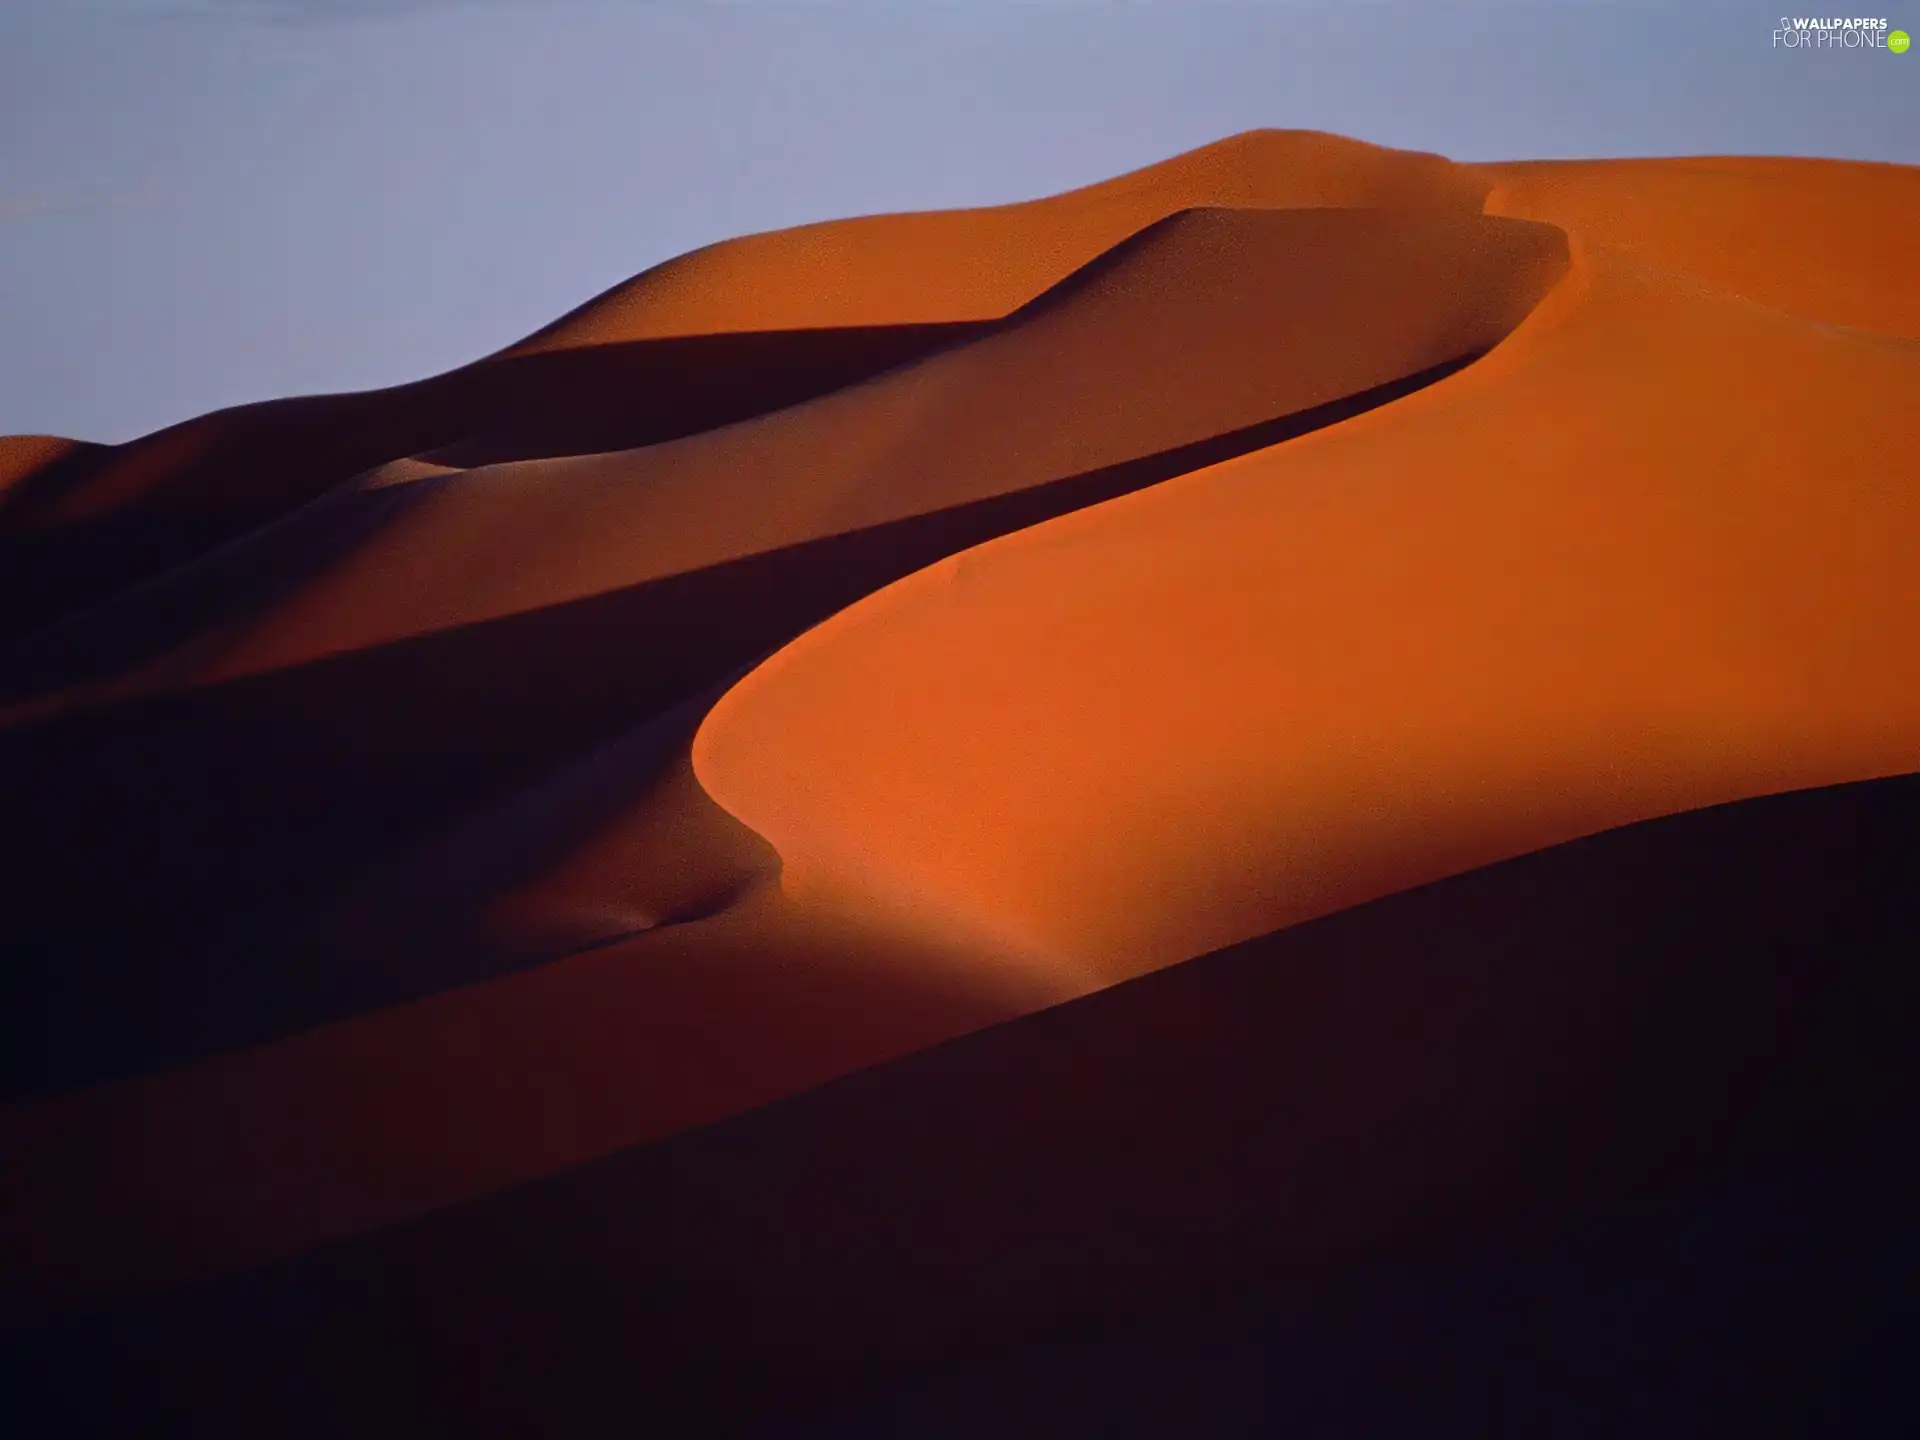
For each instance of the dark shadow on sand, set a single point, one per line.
(212, 479)
(1517, 1057)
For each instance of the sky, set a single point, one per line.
(209, 202)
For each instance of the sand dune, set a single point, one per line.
(121, 514)
(1206, 324)
(1258, 344)
(1823, 241)
(1371, 592)
(955, 265)
(680, 562)
(1512, 609)
(712, 335)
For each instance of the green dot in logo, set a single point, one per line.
(1897, 41)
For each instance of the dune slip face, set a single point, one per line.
(887, 788)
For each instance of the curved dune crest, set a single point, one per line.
(1654, 553)
(1207, 323)
(1823, 239)
(983, 263)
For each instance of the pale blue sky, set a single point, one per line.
(204, 202)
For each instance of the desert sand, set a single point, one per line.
(1407, 669)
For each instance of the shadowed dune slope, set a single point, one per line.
(72, 534)
(1502, 1051)
(1654, 552)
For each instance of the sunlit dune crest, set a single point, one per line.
(981, 264)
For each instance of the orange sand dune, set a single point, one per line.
(1652, 553)
(1245, 300)
(700, 340)
(948, 265)
(507, 779)
(1825, 241)
(1208, 324)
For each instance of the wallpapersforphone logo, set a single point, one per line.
(1809, 32)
